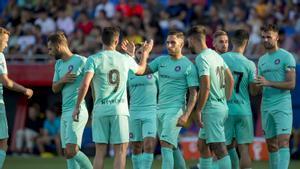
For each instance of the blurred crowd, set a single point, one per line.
(30, 21)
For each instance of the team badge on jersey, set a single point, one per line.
(177, 68)
(149, 76)
(130, 135)
(70, 68)
(277, 61)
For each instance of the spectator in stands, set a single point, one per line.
(84, 23)
(26, 137)
(50, 134)
(46, 22)
(107, 7)
(64, 22)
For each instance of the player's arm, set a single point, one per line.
(229, 83)
(202, 96)
(67, 78)
(10, 84)
(190, 106)
(288, 84)
(82, 92)
(254, 89)
(143, 68)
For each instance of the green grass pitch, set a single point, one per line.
(59, 163)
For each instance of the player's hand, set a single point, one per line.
(147, 46)
(69, 78)
(28, 93)
(261, 81)
(182, 120)
(75, 115)
(199, 119)
(128, 47)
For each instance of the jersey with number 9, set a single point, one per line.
(110, 70)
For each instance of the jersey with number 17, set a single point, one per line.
(110, 70)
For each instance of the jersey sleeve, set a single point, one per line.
(290, 63)
(90, 65)
(192, 76)
(154, 65)
(56, 73)
(252, 72)
(133, 66)
(202, 66)
(3, 67)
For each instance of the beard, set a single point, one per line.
(269, 45)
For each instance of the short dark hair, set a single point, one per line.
(219, 33)
(197, 31)
(239, 37)
(109, 34)
(177, 33)
(58, 38)
(4, 31)
(269, 27)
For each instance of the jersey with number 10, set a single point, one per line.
(110, 70)
(244, 72)
(211, 64)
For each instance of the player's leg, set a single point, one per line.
(71, 162)
(119, 138)
(41, 142)
(245, 156)
(169, 135)
(3, 149)
(137, 154)
(244, 136)
(3, 135)
(283, 121)
(149, 136)
(73, 139)
(120, 155)
(233, 154)
(100, 132)
(179, 162)
(214, 128)
(206, 160)
(269, 127)
(221, 153)
(230, 134)
(100, 155)
(20, 139)
(135, 136)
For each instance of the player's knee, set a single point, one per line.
(272, 147)
(219, 149)
(136, 148)
(231, 146)
(70, 152)
(284, 143)
(3, 144)
(204, 149)
(149, 148)
(149, 145)
(166, 144)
